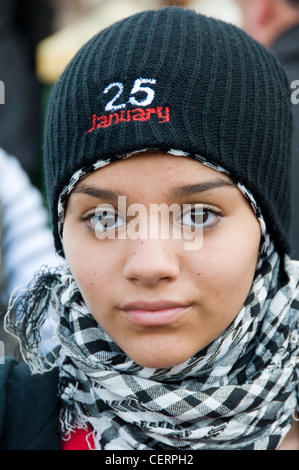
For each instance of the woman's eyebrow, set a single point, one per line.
(192, 189)
(187, 190)
(99, 193)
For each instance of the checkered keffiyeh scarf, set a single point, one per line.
(238, 393)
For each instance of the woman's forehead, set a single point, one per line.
(150, 167)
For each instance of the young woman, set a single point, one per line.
(167, 154)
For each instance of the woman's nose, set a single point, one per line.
(151, 261)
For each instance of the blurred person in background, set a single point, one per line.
(275, 23)
(25, 239)
(22, 26)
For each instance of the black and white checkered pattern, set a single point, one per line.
(238, 393)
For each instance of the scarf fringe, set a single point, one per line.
(123, 421)
(71, 419)
(27, 313)
(81, 423)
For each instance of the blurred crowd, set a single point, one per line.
(38, 38)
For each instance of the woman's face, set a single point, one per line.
(164, 297)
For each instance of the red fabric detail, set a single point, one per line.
(138, 114)
(78, 440)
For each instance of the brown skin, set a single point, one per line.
(211, 283)
(266, 20)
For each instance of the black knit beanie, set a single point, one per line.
(174, 79)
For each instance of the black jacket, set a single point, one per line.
(286, 49)
(29, 408)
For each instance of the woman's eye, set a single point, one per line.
(198, 218)
(105, 220)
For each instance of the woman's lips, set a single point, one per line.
(154, 313)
